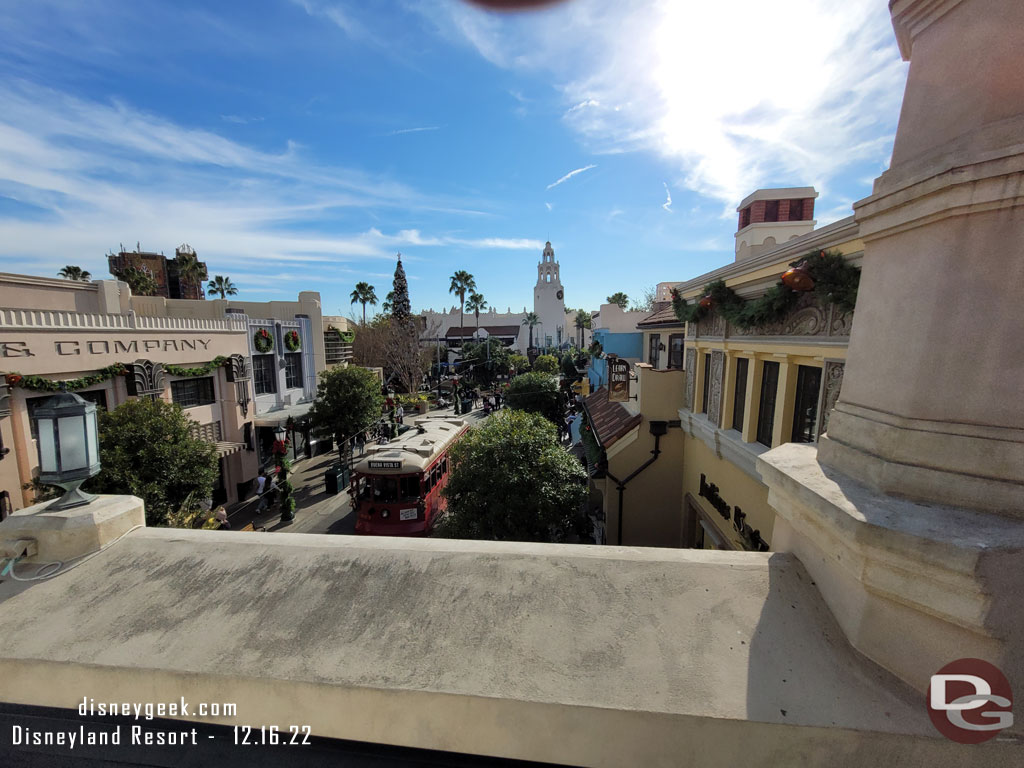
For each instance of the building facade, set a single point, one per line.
(163, 271)
(87, 330)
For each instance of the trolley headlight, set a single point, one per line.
(384, 513)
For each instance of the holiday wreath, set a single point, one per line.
(263, 341)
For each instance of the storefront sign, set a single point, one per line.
(618, 380)
(71, 347)
(750, 537)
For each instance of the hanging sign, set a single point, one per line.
(618, 380)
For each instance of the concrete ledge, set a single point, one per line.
(914, 586)
(596, 656)
(71, 533)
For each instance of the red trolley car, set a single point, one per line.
(396, 488)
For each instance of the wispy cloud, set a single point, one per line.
(549, 206)
(569, 175)
(840, 112)
(414, 130)
(668, 198)
(340, 17)
(240, 120)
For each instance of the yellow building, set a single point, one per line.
(750, 390)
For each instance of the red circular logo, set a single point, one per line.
(970, 701)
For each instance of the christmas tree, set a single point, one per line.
(400, 307)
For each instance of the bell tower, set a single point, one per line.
(549, 301)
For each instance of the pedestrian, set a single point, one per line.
(400, 413)
(261, 481)
(492, 402)
(221, 516)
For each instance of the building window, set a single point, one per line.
(191, 392)
(739, 398)
(264, 374)
(707, 382)
(766, 408)
(293, 370)
(796, 210)
(675, 350)
(652, 349)
(771, 210)
(805, 412)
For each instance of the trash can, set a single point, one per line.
(467, 406)
(335, 479)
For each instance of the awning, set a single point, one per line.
(226, 449)
(280, 417)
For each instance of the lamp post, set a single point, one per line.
(281, 446)
(69, 447)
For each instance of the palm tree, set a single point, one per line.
(190, 269)
(476, 304)
(364, 294)
(71, 272)
(582, 321)
(462, 282)
(223, 286)
(531, 320)
(388, 303)
(619, 298)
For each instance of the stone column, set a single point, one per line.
(931, 404)
(909, 514)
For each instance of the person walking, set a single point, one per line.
(400, 413)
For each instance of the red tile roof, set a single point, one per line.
(610, 421)
(663, 315)
(493, 330)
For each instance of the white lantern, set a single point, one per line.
(69, 448)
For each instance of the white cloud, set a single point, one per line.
(736, 95)
(414, 130)
(569, 175)
(549, 206)
(240, 120)
(668, 198)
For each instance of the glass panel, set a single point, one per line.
(766, 412)
(72, 442)
(739, 400)
(92, 444)
(805, 412)
(47, 450)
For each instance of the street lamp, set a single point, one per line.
(69, 446)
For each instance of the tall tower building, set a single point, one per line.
(549, 301)
(771, 217)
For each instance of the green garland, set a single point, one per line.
(263, 341)
(835, 282)
(202, 370)
(292, 341)
(345, 337)
(39, 384)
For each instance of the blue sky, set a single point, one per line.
(300, 144)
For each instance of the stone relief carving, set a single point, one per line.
(840, 323)
(145, 378)
(691, 375)
(833, 376)
(715, 386)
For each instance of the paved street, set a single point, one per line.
(316, 511)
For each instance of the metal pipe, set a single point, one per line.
(621, 487)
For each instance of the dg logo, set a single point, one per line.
(970, 701)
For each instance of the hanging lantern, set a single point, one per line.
(798, 278)
(706, 302)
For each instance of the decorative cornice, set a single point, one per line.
(911, 17)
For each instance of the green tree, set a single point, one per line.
(518, 363)
(493, 491)
(546, 364)
(147, 449)
(462, 283)
(221, 285)
(490, 357)
(190, 269)
(401, 309)
(141, 283)
(569, 367)
(476, 304)
(646, 304)
(582, 321)
(364, 294)
(619, 298)
(535, 393)
(531, 320)
(71, 272)
(348, 400)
